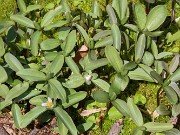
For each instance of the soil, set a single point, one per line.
(7, 127)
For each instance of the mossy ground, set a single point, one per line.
(7, 7)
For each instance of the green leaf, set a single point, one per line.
(162, 110)
(100, 96)
(56, 64)
(121, 106)
(55, 25)
(4, 104)
(113, 57)
(84, 34)
(173, 131)
(120, 7)
(140, 47)
(49, 44)
(72, 65)
(131, 27)
(2, 52)
(175, 76)
(74, 81)
(163, 54)
(13, 62)
(138, 131)
(156, 17)
(101, 84)
(174, 37)
(22, 20)
(140, 15)
(74, 98)
(31, 75)
(154, 49)
(156, 76)
(111, 14)
(32, 115)
(171, 94)
(148, 58)
(61, 127)
(3, 77)
(49, 16)
(95, 64)
(116, 34)
(140, 74)
(66, 119)
(157, 127)
(28, 94)
(34, 43)
(85, 127)
(70, 42)
(119, 84)
(104, 42)
(17, 91)
(38, 100)
(50, 56)
(17, 116)
(58, 89)
(3, 90)
(33, 7)
(21, 5)
(176, 110)
(102, 34)
(135, 113)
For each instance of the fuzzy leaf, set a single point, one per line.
(21, 5)
(13, 62)
(17, 116)
(157, 127)
(135, 113)
(74, 81)
(72, 65)
(56, 64)
(121, 106)
(22, 20)
(31, 75)
(74, 98)
(156, 17)
(3, 90)
(49, 44)
(106, 41)
(58, 89)
(66, 119)
(140, 15)
(17, 91)
(32, 115)
(34, 43)
(175, 76)
(111, 14)
(70, 42)
(3, 77)
(140, 48)
(100, 96)
(101, 84)
(2, 52)
(49, 16)
(116, 36)
(114, 59)
(171, 94)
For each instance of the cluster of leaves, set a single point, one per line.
(44, 64)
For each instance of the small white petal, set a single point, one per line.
(44, 104)
(49, 99)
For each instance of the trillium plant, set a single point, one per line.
(55, 60)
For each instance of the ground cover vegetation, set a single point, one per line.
(91, 67)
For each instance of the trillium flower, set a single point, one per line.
(49, 103)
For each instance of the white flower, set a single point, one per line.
(48, 104)
(88, 78)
